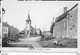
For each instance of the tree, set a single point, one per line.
(51, 28)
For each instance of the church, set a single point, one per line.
(28, 26)
(30, 30)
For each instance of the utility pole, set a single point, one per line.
(35, 30)
(45, 30)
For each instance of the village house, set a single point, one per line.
(9, 30)
(66, 24)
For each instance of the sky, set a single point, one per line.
(41, 13)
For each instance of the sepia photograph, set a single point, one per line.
(39, 24)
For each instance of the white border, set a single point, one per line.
(40, 53)
(12, 53)
(13, 49)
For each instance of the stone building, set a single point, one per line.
(66, 24)
(10, 31)
(72, 22)
(38, 31)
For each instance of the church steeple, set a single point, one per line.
(28, 19)
(28, 26)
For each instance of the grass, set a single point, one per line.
(67, 43)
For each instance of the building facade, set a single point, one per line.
(66, 24)
(9, 31)
(72, 22)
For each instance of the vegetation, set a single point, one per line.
(51, 28)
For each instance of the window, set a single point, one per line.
(73, 25)
(71, 16)
(65, 25)
(71, 28)
(73, 19)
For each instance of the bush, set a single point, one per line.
(48, 38)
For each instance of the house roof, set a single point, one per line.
(64, 14)
(5, 24)
(12, 30)
(61, 17)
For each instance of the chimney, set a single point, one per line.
(12, 25)
(52, 20)
(6, 22)
(65, 9)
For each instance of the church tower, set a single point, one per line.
(28, 26)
